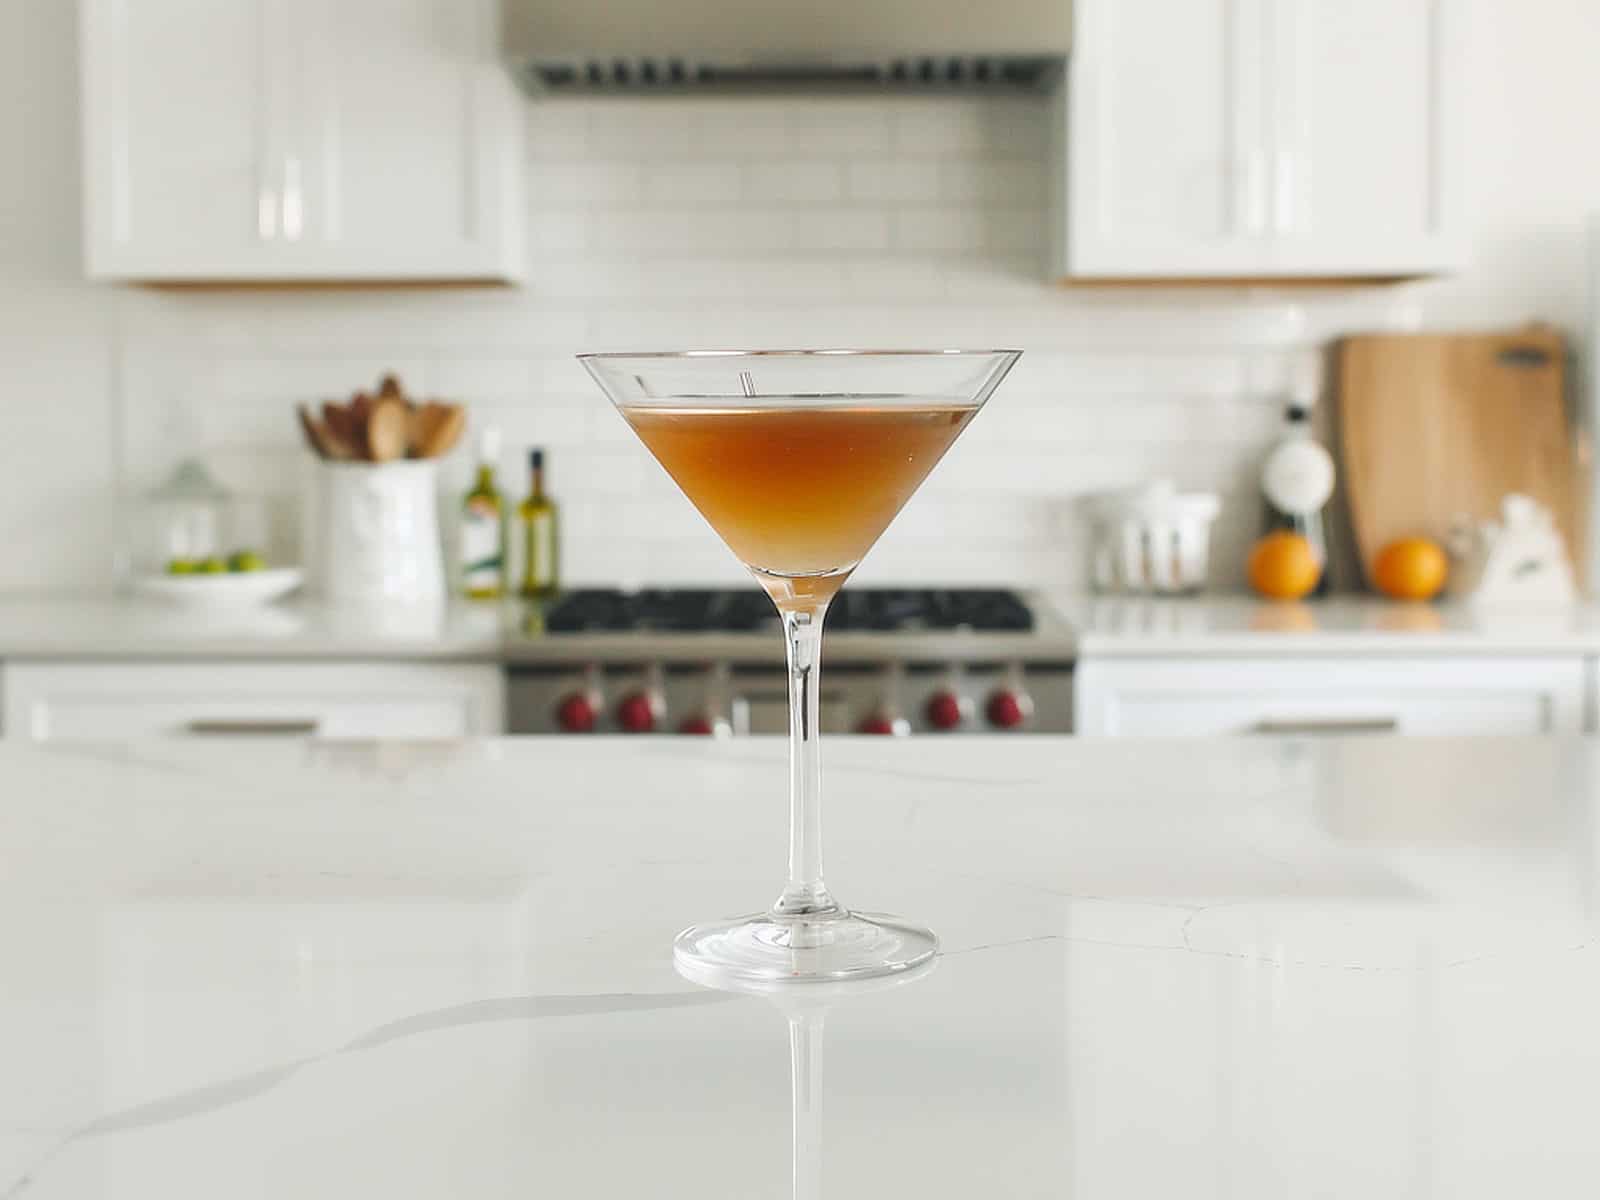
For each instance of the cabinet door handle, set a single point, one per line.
(1326, 726)
(265, 727)
(1283, 185)
(293, 200)
(1253, 201)
(266, 214)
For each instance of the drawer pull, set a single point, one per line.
(1327, 726)
(261, 728)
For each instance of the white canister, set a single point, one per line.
(372, 532)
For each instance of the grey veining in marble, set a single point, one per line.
(1209, 969)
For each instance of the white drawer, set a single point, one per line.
(87, 701)
(1203, 697)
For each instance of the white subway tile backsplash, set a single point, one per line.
(657, 224)
(588, 185)
(541, 421)
(1015, 229)
(793, 183)
(556, 231)
(644, 129)
(834, 127)
(557, 132)
(756, 127)
(940, 229)
(481, 378)
(841, 229)
(676, 232)
(276, 380)
(675, 185)
(891, 180)
(1013, 182)
(561, 375)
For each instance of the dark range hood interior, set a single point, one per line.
(648, 47)
(952, 73)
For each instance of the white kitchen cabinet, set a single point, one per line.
(1260, 139)
(281, 140)
(1362, 136)
(1329, 696)
(58, 701)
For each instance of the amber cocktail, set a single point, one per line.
(800, 459)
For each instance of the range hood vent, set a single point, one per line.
(648, 47)
(1022, 73)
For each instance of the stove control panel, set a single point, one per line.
(697, 699)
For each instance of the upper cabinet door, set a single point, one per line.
(1365, 145)
(407, 154)
(177, 128)
(1262, 139)
(273, 140)
(1165, 166)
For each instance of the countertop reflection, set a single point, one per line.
(1215, 969)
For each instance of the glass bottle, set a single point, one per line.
(538, 536)
(483, 527)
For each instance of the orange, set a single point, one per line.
(1410, 569)
(1284, 566)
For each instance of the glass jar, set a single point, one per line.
(185, 523)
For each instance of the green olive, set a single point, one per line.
(246, 560)
(180, 566)
(212, 566)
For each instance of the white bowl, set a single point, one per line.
(235, 589)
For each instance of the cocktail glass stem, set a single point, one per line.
(805, 894)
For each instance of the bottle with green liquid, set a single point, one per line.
(538, 537)
(483, 528)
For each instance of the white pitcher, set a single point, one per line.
(372, 533)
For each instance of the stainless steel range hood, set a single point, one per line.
(667, 46)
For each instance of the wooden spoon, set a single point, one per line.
(359, 408)
(341, 423)
(388, 429)
(322, 439)
(438, 429)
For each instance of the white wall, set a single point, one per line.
(721, 222)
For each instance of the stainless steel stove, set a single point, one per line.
(710, 661)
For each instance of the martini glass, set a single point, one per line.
(799, 459)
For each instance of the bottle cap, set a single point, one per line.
(1296, 413)
(536, 458)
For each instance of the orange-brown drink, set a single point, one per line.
(800, 459)
(801, 490)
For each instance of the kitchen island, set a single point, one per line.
(1221, 969)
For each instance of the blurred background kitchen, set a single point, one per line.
(279, 280)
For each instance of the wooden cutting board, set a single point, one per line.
(1436, 427)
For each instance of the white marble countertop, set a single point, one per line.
(1240, 970)
(1070, 625)
(75, 627)
(1115, 626)
(63, 628)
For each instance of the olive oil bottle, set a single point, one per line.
(483, 528)
(538, 536)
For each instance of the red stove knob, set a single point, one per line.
(884, 721)
(698, 724)
(637, 712)
(944, 710)
(577, 712)
(1007, 709)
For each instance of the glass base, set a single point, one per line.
(801, 949)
